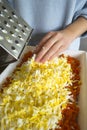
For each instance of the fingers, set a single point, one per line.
(43, 41)
(49, 48)
(57, 53)
(52, 45)
(48, 55)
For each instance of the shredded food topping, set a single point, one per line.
(37, 95)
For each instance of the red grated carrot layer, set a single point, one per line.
(71, 112)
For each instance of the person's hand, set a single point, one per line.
(55, 42)
(52, 44)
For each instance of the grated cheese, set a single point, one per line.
(36, 95)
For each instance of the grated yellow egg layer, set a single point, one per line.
(36, 95)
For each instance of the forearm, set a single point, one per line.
(77, 28)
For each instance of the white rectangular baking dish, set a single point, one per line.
(81, 55)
